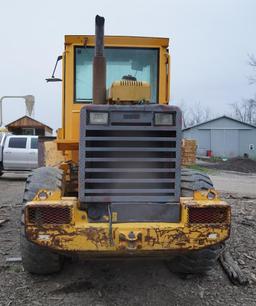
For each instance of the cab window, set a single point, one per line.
(34, 143)
(141, 63)
(18, 142)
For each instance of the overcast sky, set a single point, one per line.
(209, 42)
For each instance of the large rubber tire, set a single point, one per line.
(192, 180)
(198, 261)
(37, 259)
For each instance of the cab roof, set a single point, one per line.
(125, 41)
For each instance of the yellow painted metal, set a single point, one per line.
(168, 86)
(202, 196)
(69, 135)
(129, 91)
(94, 238)
(52, 196)
(116, 41)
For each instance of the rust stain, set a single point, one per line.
(97, 236)
(176, 238)
(167, 238)
(58, 239)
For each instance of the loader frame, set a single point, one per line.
(109, 215)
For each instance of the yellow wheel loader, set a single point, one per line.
(117, 188)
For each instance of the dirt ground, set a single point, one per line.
(237, 164)
(135, 282)
(234, 182)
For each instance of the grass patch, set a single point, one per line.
(215, 159)
(200, 168)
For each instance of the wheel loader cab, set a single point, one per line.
(118, 189)
(142, 58)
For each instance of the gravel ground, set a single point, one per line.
(134, 282)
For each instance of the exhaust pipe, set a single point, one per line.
(99, 63)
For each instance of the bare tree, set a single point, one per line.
(184, 111)
(194, 114)
(245, 111)
(252, 63)
(198, 114)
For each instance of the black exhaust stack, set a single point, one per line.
(99, 63)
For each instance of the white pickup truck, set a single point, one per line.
(18, 153)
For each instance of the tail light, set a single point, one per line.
(212, 215)
(46, 214)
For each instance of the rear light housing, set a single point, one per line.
(46, 214)
(210, 215)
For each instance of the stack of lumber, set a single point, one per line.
(188, 152)
(52, 157)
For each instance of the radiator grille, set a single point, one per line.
(130, 159)
(49, 215)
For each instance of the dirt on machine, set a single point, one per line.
(118, 189)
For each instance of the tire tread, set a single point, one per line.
(36, 259)
(198, 261)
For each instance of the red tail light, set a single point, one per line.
(49, 214)
(208, 214)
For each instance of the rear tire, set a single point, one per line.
(198, 261)
(37, 259)
(194, 181)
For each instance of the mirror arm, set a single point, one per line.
(58, 59)
(52, 78)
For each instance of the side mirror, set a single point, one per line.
(53, 78)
